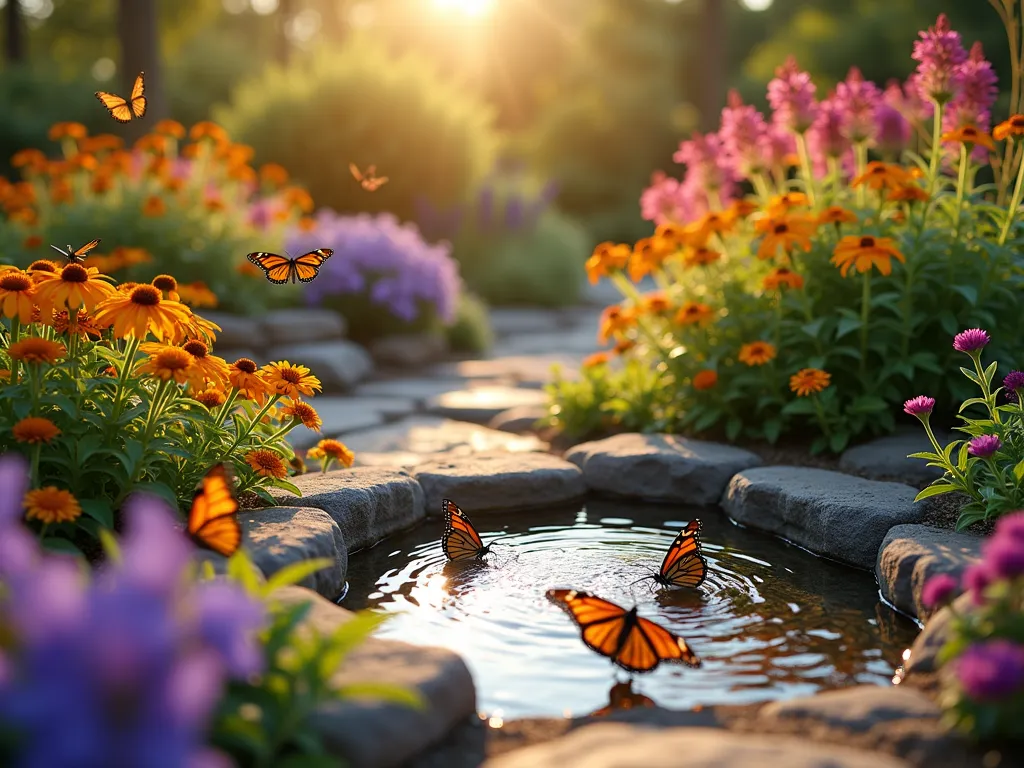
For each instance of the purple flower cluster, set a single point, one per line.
(975, 91)
(708, 167)
(919, 406)
(984, 446)
(938, 54)
(1002, 557)
(991, 670)
(387, 261)
(1013, 384)
(857, 100)
(670, 200)
(743, 135)
(791, 95)
(125, 670)
(971, 340)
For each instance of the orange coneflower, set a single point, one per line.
(697, 233)
(248, 268)
(34, 349)
(596, 359)
(786, 233)
(32, 160)
(306, 224)
(214, 203)
(74, 287)
(648, 255)
(247, 175)
(213, 369)
(51, 505)
(622, 346)
(131, 256)
(305, 413)
(17, 290)
(244, 377)
(655, 303)
(168, 364)
(910, 193)
(59, 131)
(197, 294)
(607, 257)
(267, 463)
(103, 142)
(171, 128)
(879, 174)
(140, 311)
(61, 191)
(273, 174)
(969, 135)
(614, 320)
(289, 380)
(809, 381)
(154, 206)
(197, 327)
(211, 398)
(781, 276)
(332, 449)
(757, 353)
(101, 182)
(1009, 129)
(782, 204)
(864, 252)
(83, 325)
(151, 142)
(671, 233)
(32, 242)
(702, 256)
(83, 161)
(836, 214)
(35, 429)
(740, 209)
(297, 197)
(694, 312)
(207, 130)
(167, 286)
(39, 266)
(705, 380)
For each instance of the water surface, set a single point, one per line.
(772, 621)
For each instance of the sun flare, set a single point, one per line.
(473, 8)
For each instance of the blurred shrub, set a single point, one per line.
(383, 278)
(471, 330)
(358, 104)
(192, 210)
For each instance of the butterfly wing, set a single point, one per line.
(139, 101)
(213, 520)
(354, 170)
(277, 268)
(684, 565)
(648, 640)
(460, 540)
(116, 106)
(601, 622)
(307, 266)
(79, 254)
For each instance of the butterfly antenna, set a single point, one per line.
(645, 578)
(58, 250)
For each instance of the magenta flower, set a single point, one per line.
(971, 340)
(1013, 383)
(825, 138)
(975, 93)
(920, 406)
(1011, 526)
(1004, 557)
(990, 670)
(668, 200)
(743, 135)
(791, 95)
(707, 166)
(857, 100)
(984, 446)
(893, 129)
(938, 53)
(938, 590)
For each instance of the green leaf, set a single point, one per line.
(733, 427)
(814, 327)
(847, 325)
(394, 694)
(948, 322)
(837, 442)
(111, 548)
(868, 404)
(772, 428)
(936, 490)
(242, 571)
(969, 292)
(800, 407)
(707, 419)
(970, 375)
(98, 510)
(926, 455)
(57, 544)
(157, 489)
(293, 573)
(1018, 470)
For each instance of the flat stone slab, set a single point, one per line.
(277, 537)
(885, 458)
(660, 467)
(573, 341)
(426, 435)
(418, 390)
(481, 404)
(493, 482)
(912, 554)
(859, 708)
(393, 459)
(339, 364)
(367, 503)
(235, 330)
(410, 350)
(510, 321)
(936, 632)
(525, 370)
(370, 733)
(522, 418)
(830, 513)
(342, 415)
(301, 325)
(621, 745)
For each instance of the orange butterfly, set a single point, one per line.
(77, 256)
(213, 521)
(634, 643)
(279, 269)
(622, 696)
(369, 181)
(684, 565)
(460, 540)
(122, 110)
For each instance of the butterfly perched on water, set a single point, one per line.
(76, 255)
(122, 110)
(684, 565)
(369, 181)
(630, 641)
(460, 540)
(213, 521)
(280, 269)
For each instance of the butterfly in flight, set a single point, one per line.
(369, 181)
(460, 540)
(280, 270)
(630, 641)
(213, 521)
(684, 565)
(122, 110)
(77, 256)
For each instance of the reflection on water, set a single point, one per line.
(771, 621)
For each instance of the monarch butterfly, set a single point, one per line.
(622, 696)
(77, 256)
(119, 108)
(634, 643)
(684, 565)
(369, 181)
(213, 521)
(280, 270)
(460, 540)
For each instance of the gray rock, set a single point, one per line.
(425, 435)
(619, 745)
(367, 503)
(912, 554)
(886, 458)
(500, 481)
(522, 418)
(510, 321)
(832, 514)
(235, 330)
(392, 459)
(342, 415)
(231, 355)
(370, 733)
(280, 536)
(481, 404)
(409, 350)
(339, 365)
(300, 326)
(859, 708)
(526, 370)
(660, 467)
(418, 390)
(936, 632)
(581, 341)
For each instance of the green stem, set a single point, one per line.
(860, 150)
(821, 416)
(990, 401)
(250, 426)
(805, 169)
(34, 479)
(15, 335)
(908, 311)
(1011, 212)
(961, 187)
(933, 165)
(865, 311)
(124, 374)
(949, 467)
(777, 335)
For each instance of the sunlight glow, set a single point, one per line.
(473, 8)
(757, 5)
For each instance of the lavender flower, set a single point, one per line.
(976, 580)
(894, 130)
(791, 95)
(743, 133)
(992, 669)
(18, 549)
(826, 138)
(1011, 526)
(975, 93)
(920, 406)
(971, 340)
(1013, 383)
(938, 53)
(984, 446)
(1004, 557)
(857, 100)
(938, 590)
(514, 214)
(708, 166)
(668, 200)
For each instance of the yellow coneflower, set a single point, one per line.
(141, 311)
(648, 255)
(614, 321)
(703, 256)
(1009, 129)
(51, 505)
(197, 294)
(74, 287)
(83, 325)
(199, 328)
(879, 174)
(305, 413)
(334, 450)
(208, 130)
(167, 286)
(42, 265)
(671, 233)
(607, 258)
(16, 295)
(34, 349)
(266, 463)
(781, 204)
(705, 380)
(864, 252)
(60, 131)
(781, 276)
(131, 256)
(168, 364)
(910, 193)
(969, 135)
(596, 359)
(836, 214)
(809, 381)
(210, 368)
(171, 128)
(740, 209)
(35, 429)
(289, 380)
(785, 233)
(655, 303)
(211, 398)
(243, 376)
(273, 174)
(697, 233)
(757, 353)
(154, 206)
(694, 312)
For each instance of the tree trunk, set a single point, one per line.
(140, 52)
(713, 32)
(15, 43)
